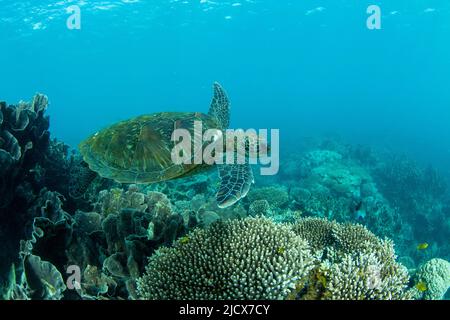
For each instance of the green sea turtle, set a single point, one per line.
(139, 150)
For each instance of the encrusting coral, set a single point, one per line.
(252, 258)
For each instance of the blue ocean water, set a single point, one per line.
(305, 67)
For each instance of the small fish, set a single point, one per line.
(421, 286)
(184, 240)
(422, 246)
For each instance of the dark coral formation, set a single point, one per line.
(24, 141)
(30, 165)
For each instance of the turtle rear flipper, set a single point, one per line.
(220, 107)
(235, 182)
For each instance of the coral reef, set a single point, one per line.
(29, 163)
(236, 259)
(132, 225)
(204, 208)
(24, 139)
(354, 263)
(303, 234)
(110, 248)
(259, 208)
(435, 277)
(277, 196)
(390, 194)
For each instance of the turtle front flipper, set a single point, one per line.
(220, 107)
(235, 182)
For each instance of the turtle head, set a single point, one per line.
(250, 145)
(256, 147)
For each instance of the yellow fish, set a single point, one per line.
(422, 246)
(184, 240)
(421, 286)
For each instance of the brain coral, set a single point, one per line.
(252, 258)
(436, 276)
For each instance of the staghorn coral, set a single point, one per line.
(435, 275)
(252, 258)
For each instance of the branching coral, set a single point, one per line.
(318, 232)
(355, 264)
(259, 208)
(252, 258)
(370, 274)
